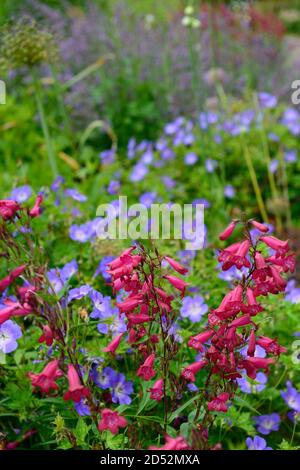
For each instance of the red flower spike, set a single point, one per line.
(76, 390)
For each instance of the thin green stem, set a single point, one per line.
(45, 128)
(255, 184)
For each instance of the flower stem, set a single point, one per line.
(45, 129)
(255, 184)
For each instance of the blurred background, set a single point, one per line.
(176, 100)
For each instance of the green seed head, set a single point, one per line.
(24, 44)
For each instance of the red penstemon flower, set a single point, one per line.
(112, 421)
(232, 326)
(76, 390)
(46, 380)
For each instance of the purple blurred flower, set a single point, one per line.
(107, 156)
(76, 195)
(273, 165)
(168, 182)
(273, 137)
(167, 154)
(205, 202)
(102, 305)
(9, 333)
(291, 119)
(138, 172)
(229, 191)
(232, 274)
(190, 158)
(58, 277)
(257, 443)
(102, 268)
(290, 156)
(81, 233)
(147, 199)
(253, 386)
(78, 293)
(103, 378)
(186, 256)
(291, 396)
(147, 157)
(193, 308)
(82, 408)
(114, 326)
(131, 148)
(205, 119)
(59, 180)
(210, 165)
(259, 351)
(21, 194)
(113, 187)
(192, 387)
(266, 100)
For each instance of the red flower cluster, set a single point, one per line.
(232, 326)
(9, 208)
(147, 306)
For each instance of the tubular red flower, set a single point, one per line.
(252, 344)
(197, 341)
(114, 344)
(146, 370)
(228, 231)
(112, 421)
(36, 210)
(219, 403)
(137, 319)
(176, 266)
(47, 336)
(76, 390)
(279, 246)
(156, 392)
(189, 372)
(261, 227)
(46, 379)
(8, 280)
(177, 283)
(270, 345)
(8, 209)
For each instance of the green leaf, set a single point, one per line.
(181, 408)
(81, 431)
